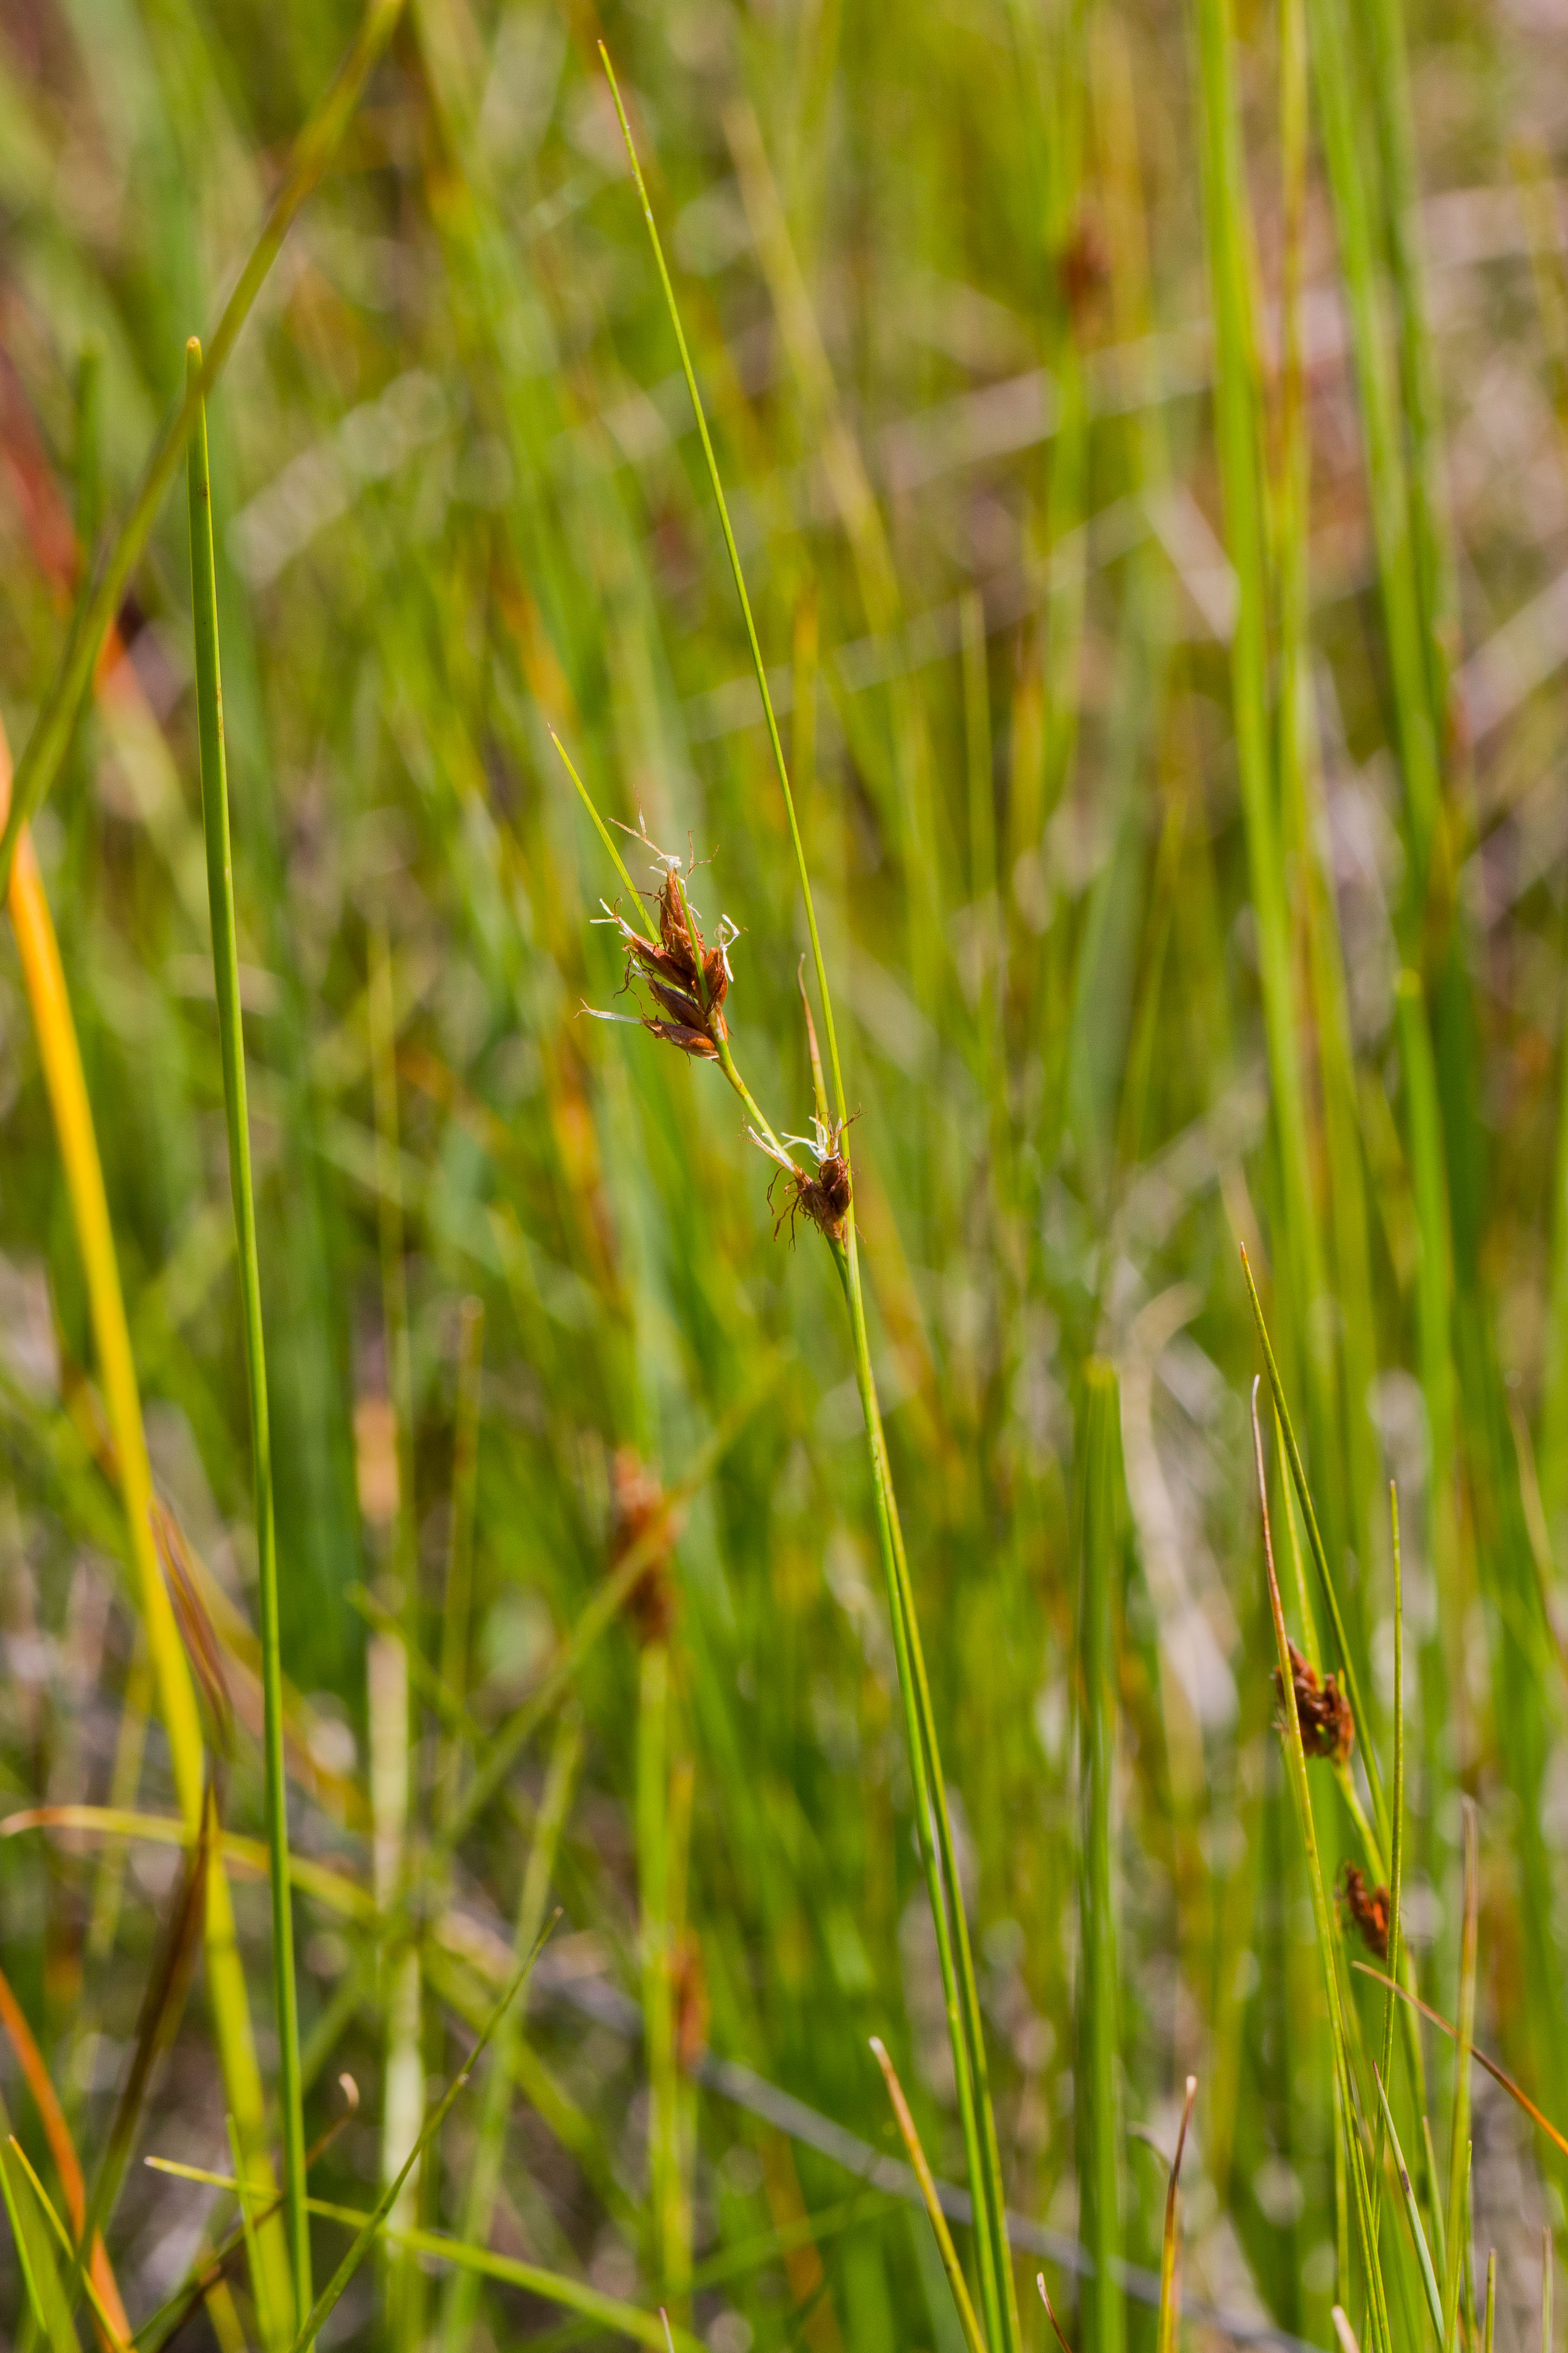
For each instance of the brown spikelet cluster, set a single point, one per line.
(639, 1507)
(1328, 1727)
(824, 1195)
(1368, 1907)
(690, 1986)
(687, 980)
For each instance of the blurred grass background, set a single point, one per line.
(1145, 432)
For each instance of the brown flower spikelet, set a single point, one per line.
(637, 1505)
(1368, 1907)
(1328, 1727)
(680, 970)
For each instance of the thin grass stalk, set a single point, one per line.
(963, 2001)
(1320, 1559)
(1490, 2326)
(231, 1034)
(1238, 435)
(912, 2139)
(1296, 1766)
(1388, 89)
(1546, 2287)
(313, 149)
(490, 2143)
(657, 1831)
(1396, 1873)
(376, 2222)
(1170, 2294)
(1386, 476)
(48, 1002)
(1098, 1996)
(1458, 2147)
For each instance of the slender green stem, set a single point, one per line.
(1396, 1874)
(1295, 1765)
(52, 730)
(959, 1987)
(1459, 2148)
(231, 1034)
(1097, 2002)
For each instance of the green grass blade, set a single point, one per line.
(50, 738)
(950, 2263)
(1097, 1994)
(372, 2224)
(489, 2145)
(231, 1035)
(34, 2254)
(1296, 1766)
(1169, 2301)
(1412, 2212)
(1459, 2148)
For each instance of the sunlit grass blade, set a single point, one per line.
(1320, 1558)
(1295, 1767)
(1458, 2150)
(313, 149)
(1170, 2298)
(65, 1079)
(1412, 2212)
(951, 2264)
(112, 2332)
(1490, 2325)
(372, 2224)
(231, 1034)
(1500, 2076)
(35, 2256)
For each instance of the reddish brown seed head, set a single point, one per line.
(637, 1511)
(1368, 1907)
(1328, 1727)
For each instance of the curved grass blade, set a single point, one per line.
(1295, 1765)
(231, 1035)
(951, 2264)
(1165, 2334)
(35, 2256)
(113, 2333)
(1459, 2147)
(57, 2132)
(1320, 1557)
(1500, 2076)
(1051, 2312)
(372, 2223)
(1429, 2276)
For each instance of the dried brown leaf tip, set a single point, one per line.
(1328, 1727)
(639, 1513)
(687, 978)
(824, 1195)
(1368, 1907)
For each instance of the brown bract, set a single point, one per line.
(637, 1505)
(1368, 1907)
(1328, 1727)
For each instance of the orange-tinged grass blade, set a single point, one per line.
(1499, 2074)
(951, 2264)
(1166, 2336)
(57, 2132)
(43, 977)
